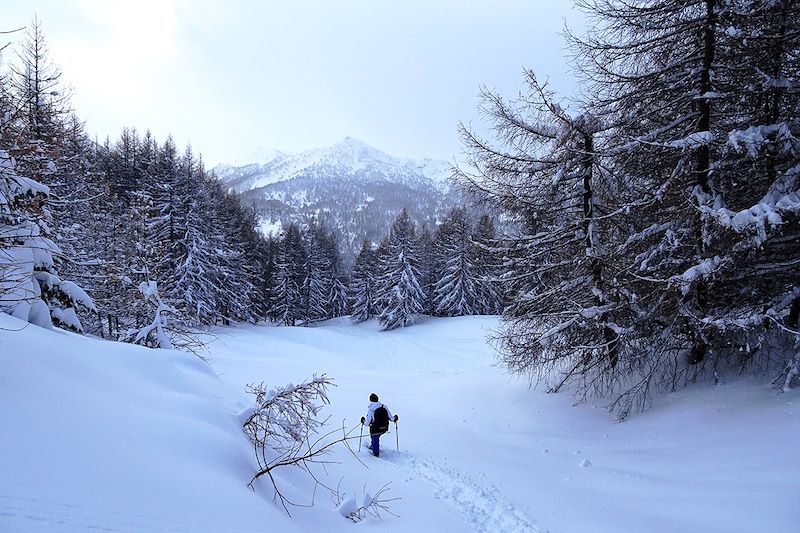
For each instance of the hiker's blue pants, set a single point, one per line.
(376, 448)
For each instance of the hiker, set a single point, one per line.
(378, 417)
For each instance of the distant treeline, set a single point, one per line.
(84, 225)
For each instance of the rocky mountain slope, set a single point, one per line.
(355, 188)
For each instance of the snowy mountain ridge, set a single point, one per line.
(353, 187)
(349, 157)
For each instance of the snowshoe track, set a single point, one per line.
(482, 507)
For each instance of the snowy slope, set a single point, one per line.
(114, 437)
(485, 450)
(120, 438)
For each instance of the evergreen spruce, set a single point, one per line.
(363, 284)
(486, 267)
(456, 291)
(292, 278)
(401, 296)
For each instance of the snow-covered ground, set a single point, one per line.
(100, 435)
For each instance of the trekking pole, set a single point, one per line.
(361, 434)
(397, 435)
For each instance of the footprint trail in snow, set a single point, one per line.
(483, 508)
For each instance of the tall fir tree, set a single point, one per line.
(487, 267)
(363, 284)
(456, 291)
(401, 296)
(338, 303)
(430, 269)
(46, 147)
(292, 278)
(320, 273)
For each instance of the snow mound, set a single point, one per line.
(113, 436)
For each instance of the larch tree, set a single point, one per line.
(703, 125)
(543, 169)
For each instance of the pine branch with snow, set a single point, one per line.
(155, 334)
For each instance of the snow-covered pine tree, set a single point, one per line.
(327, 291)
(429, 267)
(30, 288)
(486, 267)
(32, 122)
(241, 295)
(42, 107)
(456, 291)
(379, 257)
(199, 274)
(292, 275)
(141, 207)
(755, 202)
(656, 81)
(401, 296)
(79, 215)
(216, 276)
(338, 304)
(320, 277)
(166, 223)
(363, 284)
(269, 288)
(127, 173)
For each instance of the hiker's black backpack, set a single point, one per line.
(380, 421)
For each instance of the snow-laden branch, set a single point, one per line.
(356, 510)
(154, 334)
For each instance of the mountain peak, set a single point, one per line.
(350, 157)
(354, 187)
(356, 154)
(263, 155)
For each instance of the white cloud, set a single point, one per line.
(295, 74)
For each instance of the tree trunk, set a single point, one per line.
(609, 335)
(699, 348)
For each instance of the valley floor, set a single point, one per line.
(98, 435)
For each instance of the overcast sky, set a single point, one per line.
(233, 76)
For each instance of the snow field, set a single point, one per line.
(110, 436)
(101, 435)
(472, 438)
